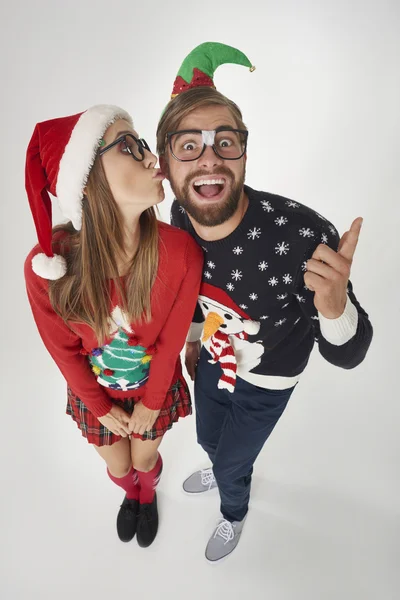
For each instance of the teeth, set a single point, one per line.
(209, 182)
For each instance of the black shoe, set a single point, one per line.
(147, 526)
(127, 519)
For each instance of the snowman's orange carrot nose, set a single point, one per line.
(212, 324)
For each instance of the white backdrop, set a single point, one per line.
(322, 108)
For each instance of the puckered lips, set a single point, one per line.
(158, 175)
(210, 188)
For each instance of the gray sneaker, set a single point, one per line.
(224, 539)
(199, 482)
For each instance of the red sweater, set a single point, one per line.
(153, 349)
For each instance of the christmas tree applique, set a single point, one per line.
(122, 364)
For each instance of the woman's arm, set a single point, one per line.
(173, 335)
(64, 345)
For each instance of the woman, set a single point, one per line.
(112, 292)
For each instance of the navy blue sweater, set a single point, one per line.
(253, 291)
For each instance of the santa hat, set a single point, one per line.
(58, 160)
(223, 302)
(199, 66)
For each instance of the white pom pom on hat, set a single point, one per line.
(49, 267)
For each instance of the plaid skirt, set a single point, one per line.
(177, 404)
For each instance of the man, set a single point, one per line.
(276, 278)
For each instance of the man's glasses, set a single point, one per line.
(190, 144)
(130, 144)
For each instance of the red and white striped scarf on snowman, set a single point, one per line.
(222, 351)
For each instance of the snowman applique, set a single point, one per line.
(225, 336)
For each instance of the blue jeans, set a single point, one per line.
(232, 428)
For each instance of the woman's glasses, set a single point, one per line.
(131, 145)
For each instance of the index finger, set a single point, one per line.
(349, 241)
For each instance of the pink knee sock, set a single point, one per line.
(149, 481)
(129, 483)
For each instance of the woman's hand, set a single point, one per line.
(142, 419)
(117, 421)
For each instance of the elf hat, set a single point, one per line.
(199, 66)
(59, 158)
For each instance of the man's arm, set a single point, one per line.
(325, 295)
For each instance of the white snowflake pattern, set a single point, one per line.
(263, 265)
(253, 296)
(281, 296)
(237, 275)
(306, 232)
(306, 288)
(210, 264)
(315, 318)
(324, 238)
(243, 306)
(332, 229)
(205, 249)
(267, 206)
(297, 320)
(282, 248)
(280, 322)
(285, 305)
(207, 274)
(292, 204)
(254, 234)
(304, 266)
(182, 210)
(230, 287)
(281, 221)
(238, 250)
(273, 281)
(287, 279)
(264, 317)
(300, 298)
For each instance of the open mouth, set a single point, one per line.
(209, 189)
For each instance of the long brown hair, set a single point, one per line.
(183, 104)
(83, 294)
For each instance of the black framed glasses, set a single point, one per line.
(130, 144)
(190, 144)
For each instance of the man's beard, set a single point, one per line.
(217, 213)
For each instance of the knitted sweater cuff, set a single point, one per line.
(102, 407)
(339, 331)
